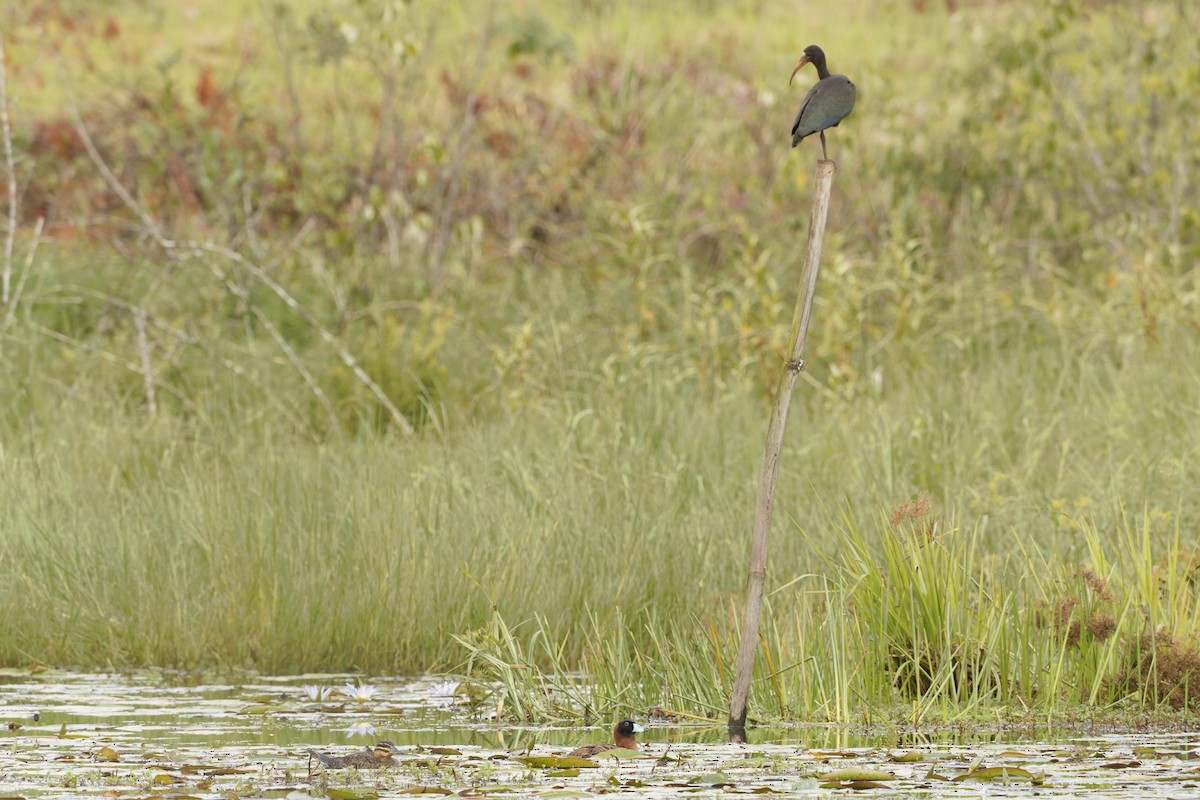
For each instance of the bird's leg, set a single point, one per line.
(823, 146)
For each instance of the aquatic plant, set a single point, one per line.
(316, 693)
(360, 693)
(446, 692)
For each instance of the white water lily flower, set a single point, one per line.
(444, 692)
(361, 729)
(316, 692)
(362, 693)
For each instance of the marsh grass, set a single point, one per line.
(569, 271)
(130, 543)
(921, 633)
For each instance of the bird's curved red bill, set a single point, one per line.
(799, 65)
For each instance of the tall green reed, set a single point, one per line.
(920, 629)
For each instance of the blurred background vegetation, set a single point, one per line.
(331, 329)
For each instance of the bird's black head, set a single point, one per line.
(628, 727)
(812, 55)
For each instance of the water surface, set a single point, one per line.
(176, 735)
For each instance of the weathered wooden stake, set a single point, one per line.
(740, 701)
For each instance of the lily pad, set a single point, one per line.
(852, 775)
(394, 711)
(107, 754)
(619, 752)
(997, 774)
(351, 794)
(711, 779)
(557, 762)
(425, 790)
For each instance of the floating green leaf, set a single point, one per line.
(557, 762)
(996, 774)
(711, 779)
(619, 752)
(850, 775)
(350, 794)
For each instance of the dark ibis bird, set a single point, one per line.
(826, 104)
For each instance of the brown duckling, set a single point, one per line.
(623, 735)
(382, 755)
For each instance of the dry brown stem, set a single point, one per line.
(769, 476)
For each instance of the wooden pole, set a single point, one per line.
(739, 704)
